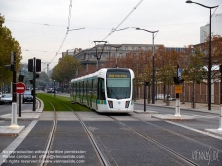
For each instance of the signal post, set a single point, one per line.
(220, 123)
(178, 90)
(34, 65)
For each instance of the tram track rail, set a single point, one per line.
(102, 158)
(99, 152)
(181, 157)
(45, 156)
(180, 135)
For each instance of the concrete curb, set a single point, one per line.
(185, 109)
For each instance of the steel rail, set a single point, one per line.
(156, 143)
(180, 135)
(102, 157)
(50, 138)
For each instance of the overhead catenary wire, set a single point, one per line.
(67, 31)
(113, 30)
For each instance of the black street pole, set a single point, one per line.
(144, 96)
(54, 88)
(153, 72)
(116, 57)
(19, 99)
(153, 76)
(209, 63)
(209, 68)
(34, 69)
(14, 96)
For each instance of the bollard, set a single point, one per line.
(14, 124)
(177, 109)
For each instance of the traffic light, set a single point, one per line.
(30, 65)
(21, 78)
(11, 67)
(31, 81)
(146, 83)
(38, 65)
(36, 75)
(178, 80)
(32, 93)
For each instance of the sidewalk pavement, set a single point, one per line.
(28, 115)
(201, 107)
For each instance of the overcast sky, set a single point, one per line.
(40, 25)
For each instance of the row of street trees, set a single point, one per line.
(65, 70)
(193, 61)
(7, 45)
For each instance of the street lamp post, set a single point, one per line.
(54, 88)
(153, 72)
(209, 63)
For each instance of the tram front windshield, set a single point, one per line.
(118, 84)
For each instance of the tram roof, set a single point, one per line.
(94, 75)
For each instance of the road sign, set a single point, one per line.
(20, 88)
(179, 72)
(178, 89)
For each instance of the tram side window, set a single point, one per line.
(89, 87)
(77, 88)
(80, 88)
(74, 88)
(94, 91)
(85, 87)
(101, 89)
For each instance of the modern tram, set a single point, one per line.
(107, 90)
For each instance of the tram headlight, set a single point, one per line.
(127, 104)
(110, 104)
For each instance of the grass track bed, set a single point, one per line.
(59, 103)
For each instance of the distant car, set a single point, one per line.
(6, 98)
(167, 97)
(51, 91)
(0, 94)
(27, 97)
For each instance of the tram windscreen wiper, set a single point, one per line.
(114, 94)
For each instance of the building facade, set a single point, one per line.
(216, 27)
(102, 52)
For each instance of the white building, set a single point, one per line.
(217, 24)
(216, 27)
(204, 33)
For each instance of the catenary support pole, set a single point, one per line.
(220, 123)
(144, 96)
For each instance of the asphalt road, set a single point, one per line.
(6, 108)
(202, 120)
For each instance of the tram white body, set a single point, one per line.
(107, 90)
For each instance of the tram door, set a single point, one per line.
(101, 89)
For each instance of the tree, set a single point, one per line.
(195, 71)
(139, 61)
(166, 64)
(66, 70)
(216, 55)
(7, 45)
